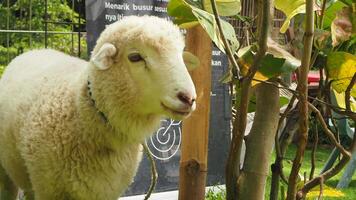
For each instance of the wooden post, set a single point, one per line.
(194, 149)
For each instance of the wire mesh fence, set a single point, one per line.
(33, 24)
(243, 29)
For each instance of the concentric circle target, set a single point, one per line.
(165, 143)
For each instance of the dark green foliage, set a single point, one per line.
(322, 155)
(30, 15)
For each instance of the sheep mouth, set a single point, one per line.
(174, 111)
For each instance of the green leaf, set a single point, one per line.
(181, 13)
(283, 101)
(207, 21)
(230, 35)
(187, 15)
(340, 101)
(226, 78)
(245, 19)
(252, 104)
(225, 7)
(341, 67)
(195, 3)
(290, 64)
(330, 13)
(272, 66)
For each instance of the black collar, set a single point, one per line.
(102, 115)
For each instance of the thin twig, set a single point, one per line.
(321, 188)
(327, 131)
(154, 174)
(226, 44)
(326, 175)
(281, 119)
(313, 58)
(337, 109)
(277, 166)
(321, 83)
(321, 21)
(348, 92)
(315, 146)
(303, 104)
(334, 170)
(338, 167)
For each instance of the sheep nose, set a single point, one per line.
(186, 98)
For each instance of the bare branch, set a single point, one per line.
(325, 176)
(321, 188)
(348, 92)
(315, 146)
(154, 174)
(303, 100)
(334, 170)
(321, 20)
(337, 109)
(327, 131)
(277, 166)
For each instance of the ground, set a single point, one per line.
(322, 155)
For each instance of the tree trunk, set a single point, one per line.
(259, 144)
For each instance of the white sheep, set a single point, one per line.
(71, 129)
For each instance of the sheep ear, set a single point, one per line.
(103, 58)
(190, 60)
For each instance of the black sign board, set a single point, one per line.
(164, 144)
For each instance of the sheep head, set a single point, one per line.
(142, 58)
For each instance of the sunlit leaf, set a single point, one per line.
(341, 67)
(225, 7)
(276, 62)
(340, 100)
(341, 27)
(290, 8)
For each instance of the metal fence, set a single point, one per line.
(31, 24)
(60, 24)
(242, 29)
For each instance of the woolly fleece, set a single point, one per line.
(53, 142)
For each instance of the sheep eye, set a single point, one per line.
(135, 57)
